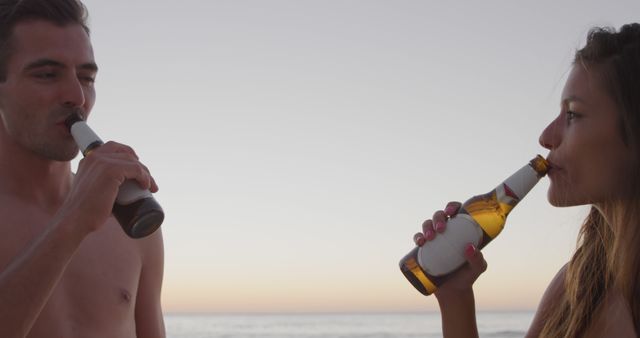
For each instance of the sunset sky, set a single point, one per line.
(299, 144)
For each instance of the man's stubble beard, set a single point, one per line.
(63, 150)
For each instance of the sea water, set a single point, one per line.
(491, 324)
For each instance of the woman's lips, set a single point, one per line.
(553, 168)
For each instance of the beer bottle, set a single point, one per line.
(136, 210)
(479, 220)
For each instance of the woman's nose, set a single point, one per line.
(551, 135)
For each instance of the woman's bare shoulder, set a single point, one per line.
(549, 299)
(613, 318)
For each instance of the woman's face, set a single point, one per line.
(589, 160)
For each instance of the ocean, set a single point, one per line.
(491, 324)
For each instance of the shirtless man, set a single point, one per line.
(66, 267)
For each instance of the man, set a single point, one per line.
(66, 267)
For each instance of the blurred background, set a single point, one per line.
(299, 145)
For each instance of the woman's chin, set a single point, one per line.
(563, 200)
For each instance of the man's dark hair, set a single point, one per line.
(12, 12)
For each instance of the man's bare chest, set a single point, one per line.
(97, 293)
(97, 290)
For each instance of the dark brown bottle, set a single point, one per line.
(136, 210)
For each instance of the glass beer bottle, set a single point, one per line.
(479, 220)
(136, 210)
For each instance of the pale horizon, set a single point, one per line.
(299, 145)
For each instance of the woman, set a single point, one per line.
(594, 152)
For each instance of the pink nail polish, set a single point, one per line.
(440, 226)
(429, 235)
(449, 210)
(470, 250)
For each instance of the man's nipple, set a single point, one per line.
(125, 296)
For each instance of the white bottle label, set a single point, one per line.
(445, 252)
(131, 192)
(521, 182)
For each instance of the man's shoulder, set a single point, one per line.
(151, 247)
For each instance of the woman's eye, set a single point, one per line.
(571, 115)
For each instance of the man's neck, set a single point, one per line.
(33, 179)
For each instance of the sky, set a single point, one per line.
(299, 144)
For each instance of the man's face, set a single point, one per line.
(50, 74)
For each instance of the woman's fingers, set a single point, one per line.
(475, 259)
(419, 239)
(452, 208)
(427, 230)
(439, 221)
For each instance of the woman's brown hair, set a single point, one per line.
(608, 252)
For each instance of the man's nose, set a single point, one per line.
(72, 93)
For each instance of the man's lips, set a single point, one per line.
(69, 116)
(64, 127)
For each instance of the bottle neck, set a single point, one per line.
(515, 188)
(86, 138)
(90, 147)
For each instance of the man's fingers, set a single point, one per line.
(119, 148)
(122, 166)
(154, 186)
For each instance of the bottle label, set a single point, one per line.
(518, 185)
(131, 192)
(445, 252)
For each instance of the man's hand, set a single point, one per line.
(97, 181)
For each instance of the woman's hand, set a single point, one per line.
(463, 279)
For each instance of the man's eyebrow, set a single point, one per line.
(91, 66)
(44, 63)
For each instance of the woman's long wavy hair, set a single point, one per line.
(608, 252)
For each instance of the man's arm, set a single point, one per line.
(148, 312)
(28, 281)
